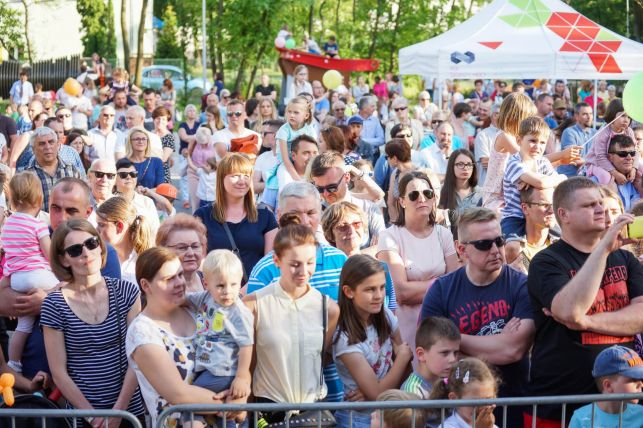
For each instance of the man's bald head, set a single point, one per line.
(69, 200)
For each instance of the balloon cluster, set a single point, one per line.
(633, 97)
(282, 42)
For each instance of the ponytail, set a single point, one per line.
(140, 233)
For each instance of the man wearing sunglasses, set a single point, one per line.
(235, 129)
(69, 200)
(587, 294)
(331, 175)
(102, 177)
(488, 301)
(621, 153)
(339, 112)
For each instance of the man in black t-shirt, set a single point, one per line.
(265, 89)
(587, 295)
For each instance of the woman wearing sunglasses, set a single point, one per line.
(128, 232)
(401, 108)
(139, 152)
(90, 373)
(126, 175)
(460, 189)
(416, 249)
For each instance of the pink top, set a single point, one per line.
(201, 153)
(492, 190)
(20, 238)
(380, 90)
(597, 154)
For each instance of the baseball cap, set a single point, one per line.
(559, 104)
(618, 360)
(167, 190)
(356, 120)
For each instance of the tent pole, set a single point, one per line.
(595, 101)
(439, 97)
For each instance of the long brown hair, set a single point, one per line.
(405, 179)
(448, 198)
(357, 269)
(234, 163)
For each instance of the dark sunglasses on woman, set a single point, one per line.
(415, 194)
(77, 249)
(125, 174)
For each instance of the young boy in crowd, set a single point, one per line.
(224, 330)
(437, 342)
(528, 167)
(617, 370)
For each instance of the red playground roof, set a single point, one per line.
(326, 63)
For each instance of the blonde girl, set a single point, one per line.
(514, 109)
(299, 83)
(470, 379)
(267, 111)
(299, 117)
(25, 241)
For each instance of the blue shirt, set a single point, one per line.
(456, 142)
(324, 104)
(372, 131)
(575, 136)
(627, 192)
(150, 172)
(249, 237)
(631, 417)
(483, 311)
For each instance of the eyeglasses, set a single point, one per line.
(100, 174)
(436, 122)
(125, 174)
(225, 97)
(77, 249)
(182, 248)
(546, 205)
(624, 153)
(339, 109)
(139, 139)
(107, 115)
(331, 188)
(267, 133)
(400, 108)
(346, 227)
(464, 165)
(403, 136)
(415, 194)
(486, 244)
(234, 113)
(425, 99)
(62, 116)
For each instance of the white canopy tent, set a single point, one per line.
(525, 39)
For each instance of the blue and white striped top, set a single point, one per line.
(514, 170)
(96, 359)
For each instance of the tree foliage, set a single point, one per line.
(167, 44)
(11, 36)
(97, 27)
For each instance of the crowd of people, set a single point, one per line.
(360, 248)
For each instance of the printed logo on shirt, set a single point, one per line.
(612, 296)
(482, 318)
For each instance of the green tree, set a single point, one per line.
(11, 36)
(167, 45)
(97, 27)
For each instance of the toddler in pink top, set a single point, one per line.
(25, 240)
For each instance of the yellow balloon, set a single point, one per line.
(73, 87)
(332, 79)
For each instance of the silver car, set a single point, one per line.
(154, 76)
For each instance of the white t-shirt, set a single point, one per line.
(225, 136)
(437, 161)
(103, 146)
(206, 190)
(155, 141)
(264, 163)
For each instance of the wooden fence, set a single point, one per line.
(52, 73)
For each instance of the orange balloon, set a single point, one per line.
(7, 380)
(73, 87)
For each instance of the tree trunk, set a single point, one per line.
(376, 26)
(240, 73)
(394, 41)
(255, 67)
(219, 38)
(139, 44)
(211, 45)
(27, 41)
(125, 35)
(311, 12)
(339, 3)
(321, 17)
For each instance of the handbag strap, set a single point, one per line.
(235, 249)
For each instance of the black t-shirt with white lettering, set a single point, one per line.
(562, 359)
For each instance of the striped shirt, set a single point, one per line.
(514, 170)
(96, 359)
(20, 237)
(416, 384)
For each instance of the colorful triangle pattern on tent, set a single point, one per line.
(491, 45)
(579, 33)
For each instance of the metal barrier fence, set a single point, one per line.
(445, 406)
(15, 418)
(52, 73)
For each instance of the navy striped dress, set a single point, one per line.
(96, 359)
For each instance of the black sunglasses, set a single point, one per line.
(77, 249)
(234, 113)
(415, 194)
(125, 174)
(486, 244)
(624, 153)
(399, 108)
(331, 188)
(100, 174)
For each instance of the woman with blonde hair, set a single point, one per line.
(515, 108)
(128, 232)
(233, 221)
(138, 150)
(213, 119)
(267, 111)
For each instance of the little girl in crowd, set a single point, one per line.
(299, 117)
(225, 332)
(367, 336)
(25, 241)
(470, 379)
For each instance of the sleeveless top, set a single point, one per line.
(492, 194)
(288, 340)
